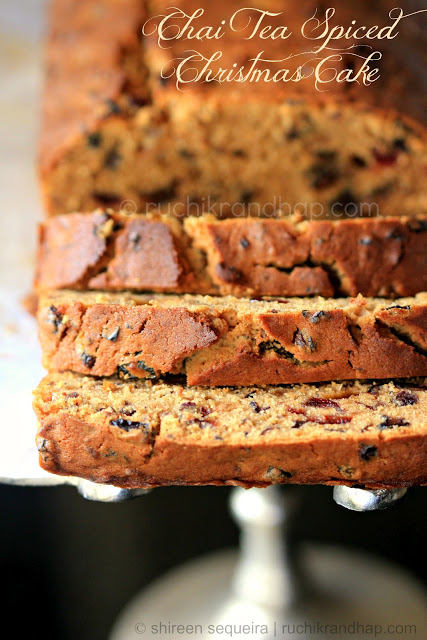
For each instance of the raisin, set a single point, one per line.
(359, 162)
(239, 153)
(185, 153)
(149, 370)
(400, 144)
(374, 389)
(293, 134)
(55, 317)
(273, 345)
(128, 411)
(315, 317)
(246, 196)
(88, 360)
(366, 452)
(322, 177)
(322, 402)
(250, 394)
(298, 423)
(187, 405)
(112, 159)
(389, 423)
(127, 425)
(228, 273)
(244, 242)
(344, 200)
(303, 341)
(255, 406)
(94, 140)
(404, 398)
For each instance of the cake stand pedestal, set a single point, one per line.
(268, 590)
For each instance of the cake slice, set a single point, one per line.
(222, 341)
(116, 128)
(285, 256)
(143, 434)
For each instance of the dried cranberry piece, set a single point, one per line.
(385, 159)
(333, 419)
(322, 402)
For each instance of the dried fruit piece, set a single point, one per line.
(367, 452)
(127, 425)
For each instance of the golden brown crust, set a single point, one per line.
(250, 257)
(229, 341)
(135, 434)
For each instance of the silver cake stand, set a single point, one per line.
(266, 590)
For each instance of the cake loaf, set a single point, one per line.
(242, 257)
(230, 341)
(118, 126)
(139, 434)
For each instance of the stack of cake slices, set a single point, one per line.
(189, 340)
